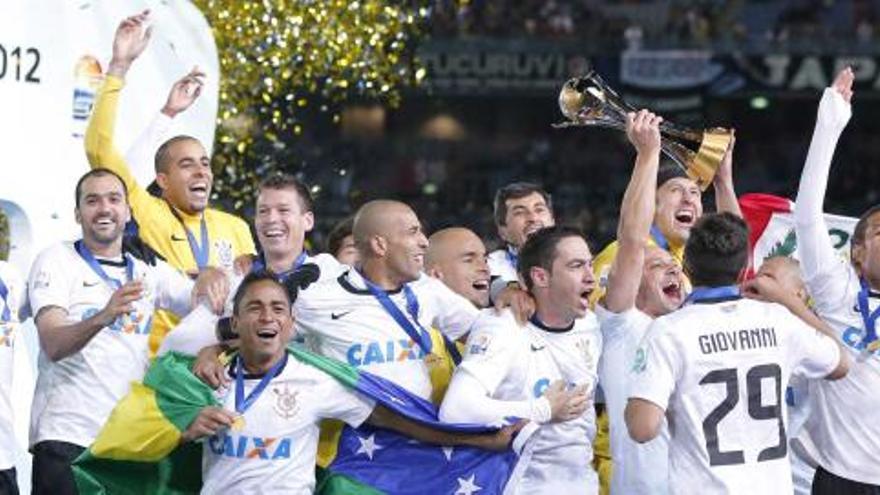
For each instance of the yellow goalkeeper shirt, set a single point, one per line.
(161, 226)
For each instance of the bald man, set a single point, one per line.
(787, 273)
(377, 316)
(457, 257)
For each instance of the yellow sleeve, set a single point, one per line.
(244, 239)
(601, 267)
(102, 153)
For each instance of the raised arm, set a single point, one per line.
(636, 212)
(814, 246)
(129, 42)
(141, 154)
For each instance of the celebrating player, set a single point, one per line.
(841, 434)
(179, 225)
(266, 376)
(521, 209)
(645, 282)
(544, 372)
(457, 257)
(719, 368)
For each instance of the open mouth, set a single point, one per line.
(267, 334)
(273, 233)
(585, 296)
(199, 189)
(104, 222)
(532, 228)
(672, 290)
(481, 285)
(685, 217)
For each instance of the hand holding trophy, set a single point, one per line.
(589, 101)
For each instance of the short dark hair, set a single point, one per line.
(282, 181)
(516, 190)
(160, 160)
(669, 170)
(251, 279)
(540, 250)
(339, 232)
(97, 172)
(858, 236)
(717, 250)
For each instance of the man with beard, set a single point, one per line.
(842, 433)
(544, 372)
(720, 366)
(93, 304)
(179, 226)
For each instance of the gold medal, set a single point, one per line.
(238, 423)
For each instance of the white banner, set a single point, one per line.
(779, 239)
(53, 54)
(52, 57)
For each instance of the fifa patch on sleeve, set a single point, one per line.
(41, 281)
(479, 345)
(640, 362)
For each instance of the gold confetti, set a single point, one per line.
(323, 51)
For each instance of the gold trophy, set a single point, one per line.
(588, 101)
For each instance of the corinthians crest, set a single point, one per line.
(586, 354)
(285, 402)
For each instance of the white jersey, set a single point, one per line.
(502, 264)
(838, 433)
(517, 363)
(720, 369)
(276, 450)
(14, 303)
(341, 319)
(75, 395)
(841, 433)
(797, 396)
(638, 468)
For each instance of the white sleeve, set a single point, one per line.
(613, 325)
(330, 267)
(491, 351)
(49, 283)
(338, 402)
(468, 401)
(141, 155)
(193, 333)
(173, 289)
(813, 355)
(655, 367)
(824, 272)
(455, 315)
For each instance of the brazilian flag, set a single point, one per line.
(138, 451)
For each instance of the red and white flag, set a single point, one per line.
(771, 227)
